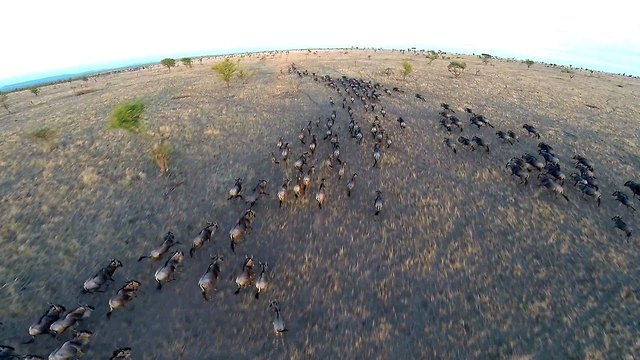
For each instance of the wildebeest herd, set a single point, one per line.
(310, 165)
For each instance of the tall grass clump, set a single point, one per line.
(127, 117)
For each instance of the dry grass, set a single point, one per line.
(160, 152)
(84, 92)
(45, 137)
(462, 262)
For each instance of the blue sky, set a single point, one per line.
(67, 36)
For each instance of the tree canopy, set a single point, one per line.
(168, 62)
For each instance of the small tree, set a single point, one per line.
(187, 61)
(529, 63)
(456, 68)
(168, 62)
(226, 69)
(3, 101)
(35, 90)
(407, 68)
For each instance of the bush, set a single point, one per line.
(44, 136)
(225, 69)
(187, 61)
(168, 62)
(407, 68)
(35, 90)
(127, 117)
(43, 133)
(431, 55)
(456, 68)
(160, 152)
(528, 63)
(243, 75)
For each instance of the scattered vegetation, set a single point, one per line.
(243, 75)
(456, 68)
(407, 68)
(43, 133)
(34, 90)
(168, 62)
(44, 136)
(528, 62)
(3, 101)
(127, 117)
(160, 152)
(485, 58)
(569, 71)
(84, 92)
(187, 61)
(431, 55)
(226, 69)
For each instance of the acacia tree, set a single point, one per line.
(529, 63)
(168, 62)
(187, 61)
(35, 90)
(456, 68)
(407, 68)
(225, 69)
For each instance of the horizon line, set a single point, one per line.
(12, 83)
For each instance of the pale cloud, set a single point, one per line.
(41, 36)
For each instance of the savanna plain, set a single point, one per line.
(463, 261)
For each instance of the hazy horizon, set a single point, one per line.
(71, 36)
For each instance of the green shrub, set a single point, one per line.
(456, 68)
(528, 63)
(243, 75)
(225, 69)
(127, 117)
(35, 90)
(407, 68)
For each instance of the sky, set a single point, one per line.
(43, 38)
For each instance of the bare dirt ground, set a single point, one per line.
(462, 263)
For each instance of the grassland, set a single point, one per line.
(462, 263)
